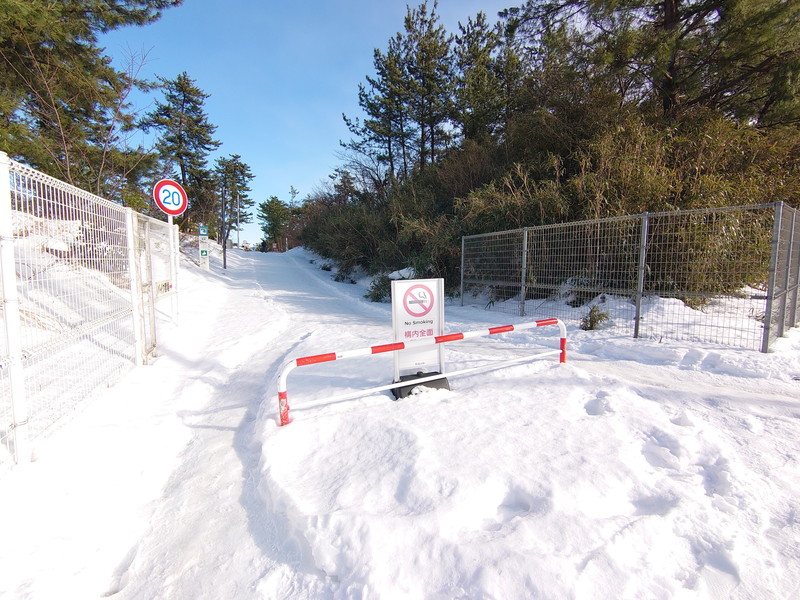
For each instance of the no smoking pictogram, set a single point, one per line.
(418, 300)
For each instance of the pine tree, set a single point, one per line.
(185, 142)
(429, 66)
(738, 57)
(478, 86)
(62, 105)
(234, 177)
(273, 216)
(387, 129)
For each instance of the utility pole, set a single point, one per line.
(222, 229)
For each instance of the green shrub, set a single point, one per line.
(342, 275)
(594, 318)
(380, 290)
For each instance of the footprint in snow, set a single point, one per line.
(598, 405)
(662, 450)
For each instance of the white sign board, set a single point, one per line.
(418, 313)
(164, 288)
(202, 236)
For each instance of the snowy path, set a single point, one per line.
(249, 339)
(636, 470)
(209, 505)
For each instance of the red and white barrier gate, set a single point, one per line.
(283, 396)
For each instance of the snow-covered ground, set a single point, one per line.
(637, 470)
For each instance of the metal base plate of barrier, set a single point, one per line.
(403, 391)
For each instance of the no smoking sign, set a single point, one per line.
(417, 314)
(418, 300)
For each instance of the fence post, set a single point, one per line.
(16, 373)
(641, 271)
(523, 285)
(151, 343)
(786, 279)
(462, 270)
(794, 250)
(773, 267)
(787, 303)
(136, 291)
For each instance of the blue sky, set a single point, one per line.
(279, 75)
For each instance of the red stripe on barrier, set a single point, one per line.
(544, 322)
(283, 407)
(450, 337)
(317, 358)
(563, 357)
(501, 329)
(387, 347)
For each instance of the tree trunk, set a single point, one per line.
(669, 87)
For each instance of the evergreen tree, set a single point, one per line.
(233, 177)
(62, 106)
(273, 217)
(739, 57)
(429, 65)
(387, 129)
(185, 141)
(479, 92)
(510, 67)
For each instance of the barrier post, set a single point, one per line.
(283, 394)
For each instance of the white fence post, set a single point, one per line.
(132, 230)
(523, 284)
(19, 405)
(773, 267)
(641, 271)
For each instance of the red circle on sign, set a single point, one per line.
(421, 297)
(170, 197)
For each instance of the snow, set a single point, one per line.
(636, 470)
(407, 273)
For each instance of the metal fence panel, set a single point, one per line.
(494, 268)
(80, 315)
(153, 243)
(574, 263)
(786, 272)
(6, 448)
(793, 279)
(701, 275)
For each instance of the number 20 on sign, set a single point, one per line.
(170, 197)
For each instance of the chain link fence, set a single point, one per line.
(726, 276)
(78, 299)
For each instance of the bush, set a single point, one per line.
(594, 318)
(380, 290)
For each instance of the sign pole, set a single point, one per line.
(175, 241)
(171, 198)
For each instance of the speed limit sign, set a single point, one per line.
(170, 197)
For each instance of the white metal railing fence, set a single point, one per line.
(80, 276)
(724, 275)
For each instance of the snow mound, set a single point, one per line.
(585, 488)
